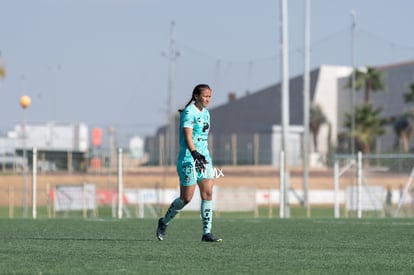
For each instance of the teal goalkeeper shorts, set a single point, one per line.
(189, 176)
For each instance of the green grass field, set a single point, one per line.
(259, 246)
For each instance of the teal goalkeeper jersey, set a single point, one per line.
(199, 121)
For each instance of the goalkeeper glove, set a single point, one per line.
(199, 161)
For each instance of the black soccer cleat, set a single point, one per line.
(209, 237)
(161, 230)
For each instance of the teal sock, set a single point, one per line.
(206, 215)
(175, 206)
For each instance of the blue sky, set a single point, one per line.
(100, 61)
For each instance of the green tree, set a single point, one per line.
(369, 80)
(316, 119)
(368, 126)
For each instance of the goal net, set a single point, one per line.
(377, 185)
(68, 198)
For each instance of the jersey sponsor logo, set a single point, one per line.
(206, 127)
(214, 173)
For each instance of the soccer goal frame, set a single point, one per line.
(351, 164)
(369, 174)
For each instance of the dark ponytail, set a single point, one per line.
(196, 91)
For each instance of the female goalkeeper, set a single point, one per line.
(194, 165)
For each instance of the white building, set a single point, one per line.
(59, 146)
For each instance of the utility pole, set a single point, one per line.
(285, 105)
(172, 57)
(306, 108)
(353, 14)
(25, 102)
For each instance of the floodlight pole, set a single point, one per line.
(24, 103)
(120, 184)
(359, 186)
(34, 183)
(306, 108)
(172, 57)
(353, 14)
(25, 164)
(285, 102)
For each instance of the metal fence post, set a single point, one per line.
(34, 184)
(120, 184)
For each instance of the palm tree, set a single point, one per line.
(404, 128)
(368, 126)
(370, 80)
(316, 119)
(404, 124)
(409, 96)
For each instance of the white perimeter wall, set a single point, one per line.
(262, 197)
